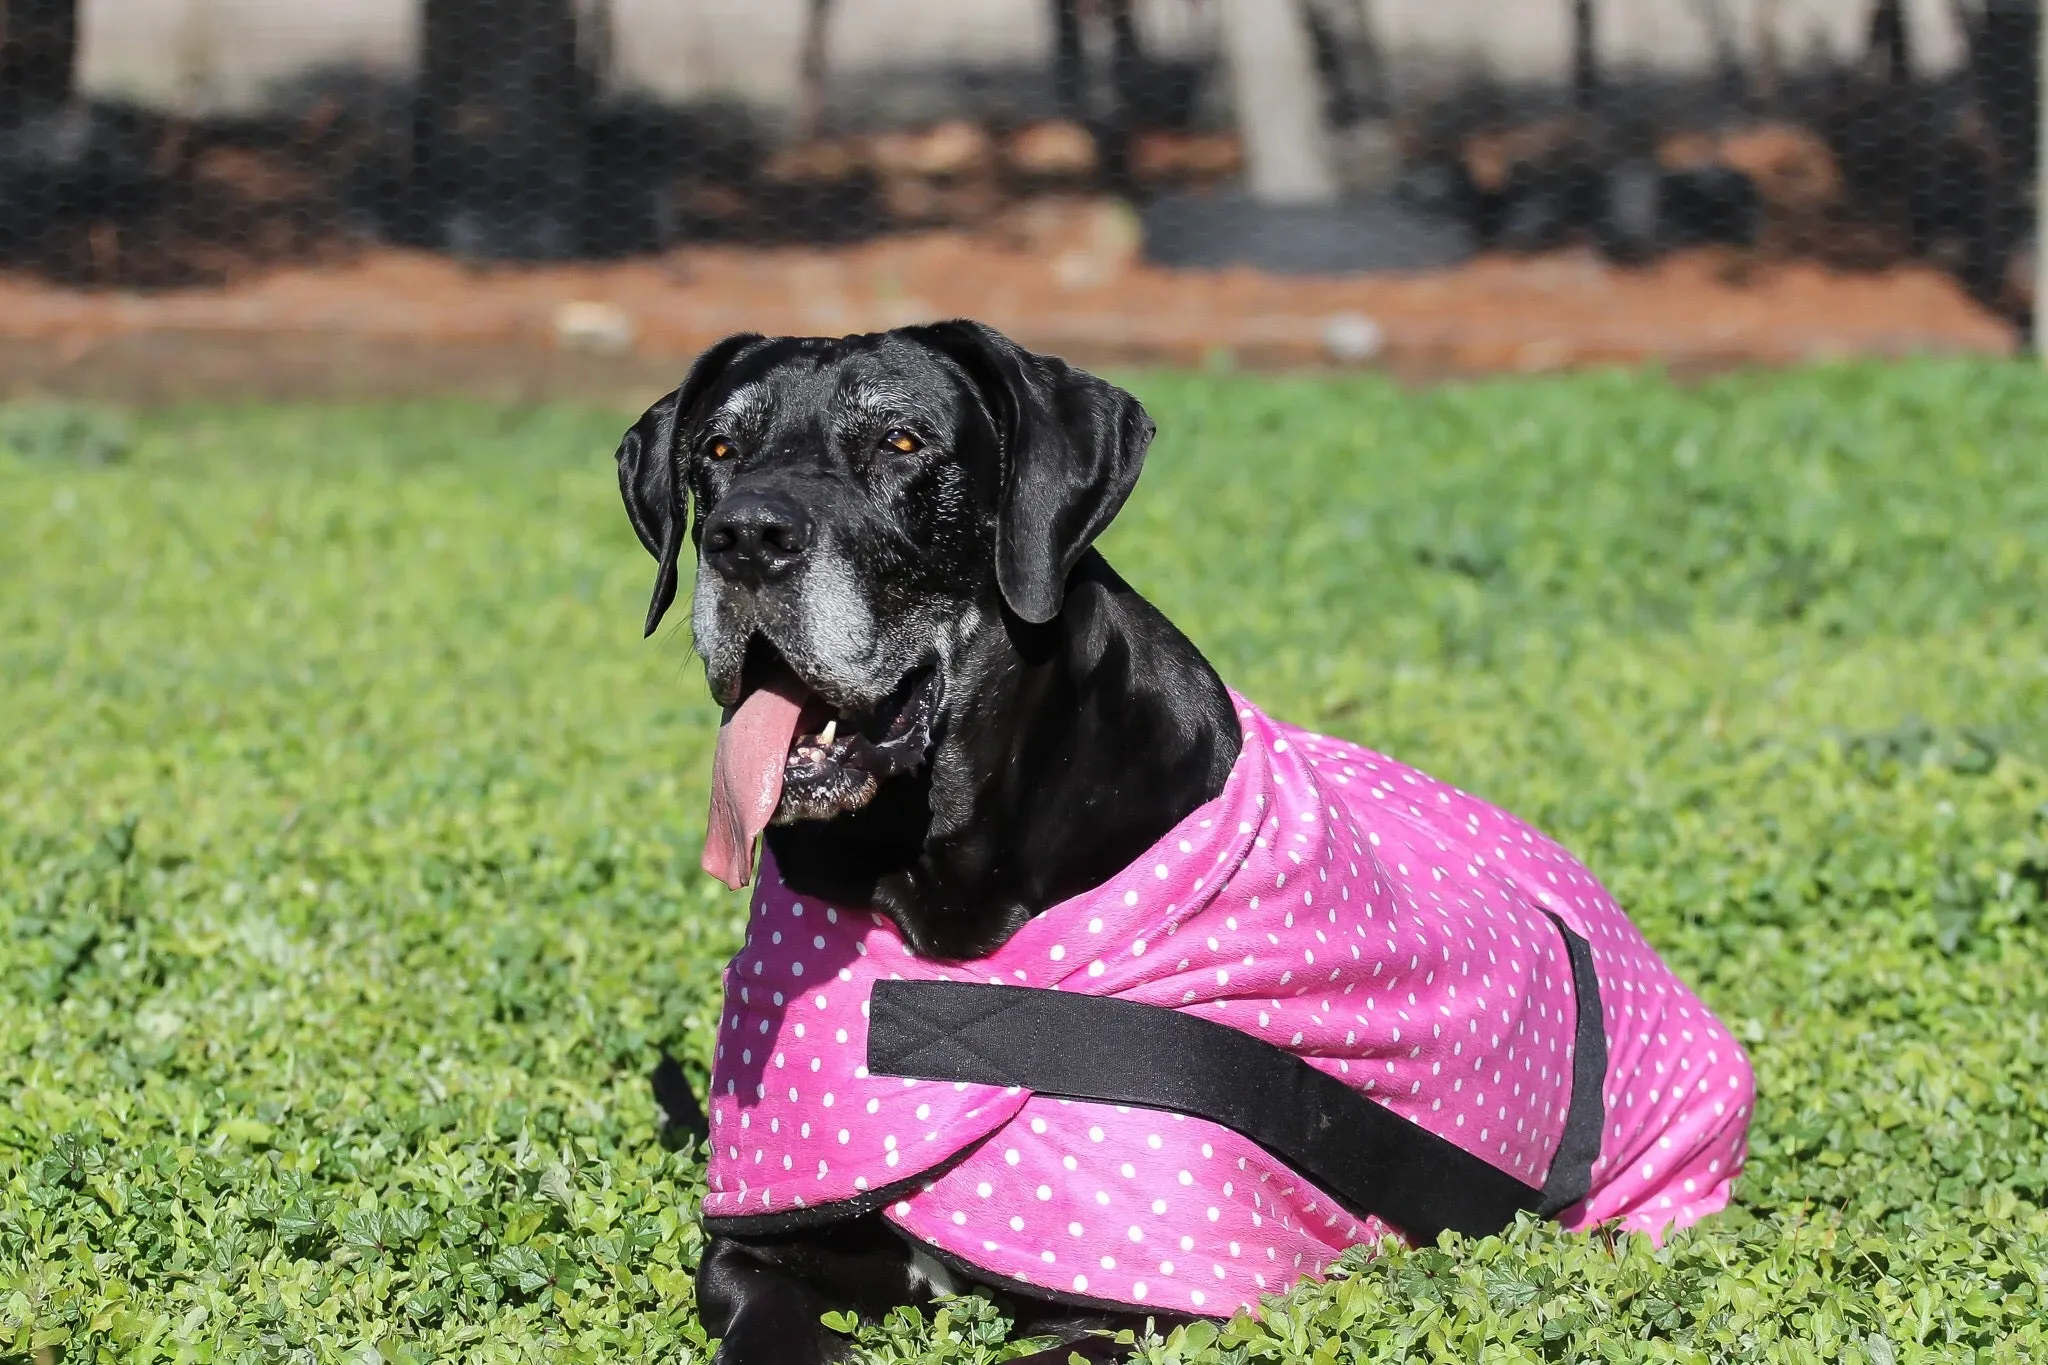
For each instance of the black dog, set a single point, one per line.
(896, 530)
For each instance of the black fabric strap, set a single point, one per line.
(1571, 1169)
(1123, 1052)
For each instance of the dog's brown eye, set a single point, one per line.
(901, 441)
(720, 449)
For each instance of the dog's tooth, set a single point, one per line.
(826, 735)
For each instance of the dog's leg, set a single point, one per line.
(764, 1295)
(676, 1104)
(764, 1314)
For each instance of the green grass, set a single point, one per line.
(348, 839)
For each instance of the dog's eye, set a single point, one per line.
(901, 441)
(722, 448)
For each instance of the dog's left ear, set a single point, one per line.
(650, 475)
(1072, 448)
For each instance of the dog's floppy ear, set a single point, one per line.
(650, 475)
(1072, 448)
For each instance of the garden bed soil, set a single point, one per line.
(1061, 277)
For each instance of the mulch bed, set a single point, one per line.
(1065, 276)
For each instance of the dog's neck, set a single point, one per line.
(1079, 744)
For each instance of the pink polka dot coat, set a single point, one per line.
(1384, 927)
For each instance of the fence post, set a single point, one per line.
(500, 138)
(811, 71)
(1585, 54)
(2040, 182)
(1768, 59)
(38, 55)
(1273, 83)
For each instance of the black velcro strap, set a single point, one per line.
(1571, 1168)
(1119, 1051)
(1123, 1052)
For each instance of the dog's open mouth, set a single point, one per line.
(785, 753)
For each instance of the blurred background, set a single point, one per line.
(533, 196)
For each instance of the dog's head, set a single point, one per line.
(863, 506)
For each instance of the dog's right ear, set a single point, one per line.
(650, 474)
(1072, 447)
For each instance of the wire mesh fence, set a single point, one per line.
(153, 145)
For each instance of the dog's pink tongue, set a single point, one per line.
(746, 775)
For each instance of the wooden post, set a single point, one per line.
(1769, 61)
(1890, 45)
(2040, 318)
(1126, 72)
(499, 130)
(1585, 54)
(1069, 61)
(38, 55)
(1279, 101)
(811, 76)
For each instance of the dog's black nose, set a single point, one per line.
(756, 536)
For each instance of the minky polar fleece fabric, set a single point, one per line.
(1383, 926)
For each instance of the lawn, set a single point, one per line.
(348, 838)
